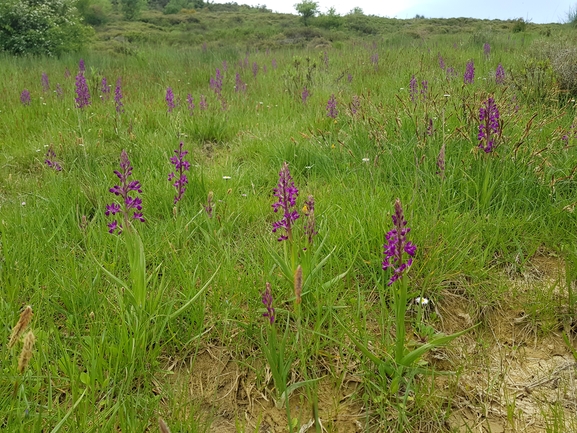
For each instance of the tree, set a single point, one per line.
(130, 8)
(41, 27)
(307, 9)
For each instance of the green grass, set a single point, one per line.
(103, 363)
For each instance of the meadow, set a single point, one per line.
(195, 316)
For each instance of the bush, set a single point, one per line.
(562, 57)
(520, 25)
(94, 12)
(49, 27)
(330, 20)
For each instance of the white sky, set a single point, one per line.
(536, 11)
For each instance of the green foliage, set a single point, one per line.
(307, 9)
(520, 25)
(131, 8)
(559, 58)
(356, 11)
(330, 20)
(175, 6)
(50, 27)
(94, 12)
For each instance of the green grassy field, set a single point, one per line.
(165, 320)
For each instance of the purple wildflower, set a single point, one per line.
(489, 125)
(128, 203)
(190, 103)
(397, 244)
(287, 194)
(202, 104)
(486, 49)
(441, 62)
(81, 66)
(118, 96)
(413, 89)
(469, 76)
(180, 166)
(240, 85)
(500, 74)
(350, 78)
(82, 93)
(267, 301)
(169, 98)
(104, 89)
(332, 107)
(451, 73)
(216, 82)
(254, 69)
(45, 83)
(309, 212)
(25, 97)
(59, 92)
(424, 89)
(50, 160)
(305, 95)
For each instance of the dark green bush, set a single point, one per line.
(47, 27)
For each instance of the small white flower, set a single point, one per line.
(366, 159)
(446, 95)
(227, 177)
(23, 203)
(421, 301)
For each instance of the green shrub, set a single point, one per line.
(520, 25)
(562, 58)
(330, 20)
(50, 27)
(94, 12)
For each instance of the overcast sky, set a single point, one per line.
(536, 11)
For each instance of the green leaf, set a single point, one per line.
(384, 364)
(195, 297)
(441, 340)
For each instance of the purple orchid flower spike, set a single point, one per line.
(397, 244)
(287, 193)
(131, 207)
